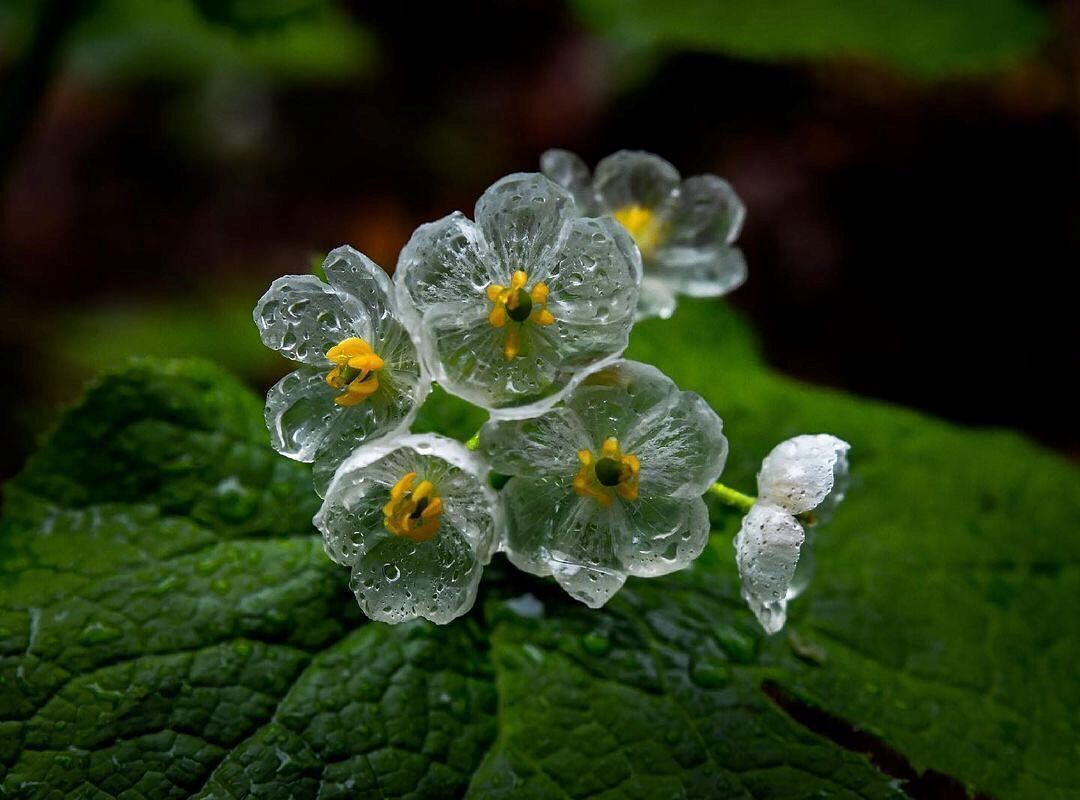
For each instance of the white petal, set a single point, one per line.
(521, 216)
(466, 354)
(591, 585)
(300, 410)
(801, 473)
(552, 531)
(446, 261)
(655, 300)
(635, 178)
(610, 401)
(571, 173)
(398, 580)
(767, 551)
(595, 274)
(662, 535)
(543, 445)
(698, 271)
(301, 317)
(352, 273)
(707, 212)
(678, 439)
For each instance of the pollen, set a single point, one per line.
(514, 305)
(411, 512)
(353, 375)
(643, 226)
(610, 472)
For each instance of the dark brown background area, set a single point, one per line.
(911, 240)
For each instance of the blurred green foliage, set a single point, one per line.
(925, 37)
(215, 327)
(292, 40)
(131, 40)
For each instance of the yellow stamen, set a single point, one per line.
(497, 317)
(354, 372)
(612, 470)
(513, 306)
(512, 343)
(643, 226)
(413, 513)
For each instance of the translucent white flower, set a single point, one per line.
(609, 483)
(683, 228)
(801, 482)
(512, 309)
(360, 376)
(415, 520)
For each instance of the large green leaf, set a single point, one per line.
(169, 626)
(927, 37)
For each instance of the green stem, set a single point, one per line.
(731, 497)
(473, 441)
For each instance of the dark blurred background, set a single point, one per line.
(911, 170)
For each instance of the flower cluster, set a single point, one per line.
(524, 310)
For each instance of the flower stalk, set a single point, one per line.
(732, 497)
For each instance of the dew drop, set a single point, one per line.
(391, 572)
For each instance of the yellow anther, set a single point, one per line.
(611, 471)
(341, 352)
(368, 361)
(401, 488)
(354, 370)
(497, 317)
(643, 226)
(425, 489)
(413, 513)
(512, 343)
(356, 392)
(513, 306)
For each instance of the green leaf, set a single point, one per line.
(924, 37)
(169, 625)
(290, 41)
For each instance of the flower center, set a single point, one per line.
(643, 226)
(515, 305)
(354, 370)
(611, 470)
(413, 513)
